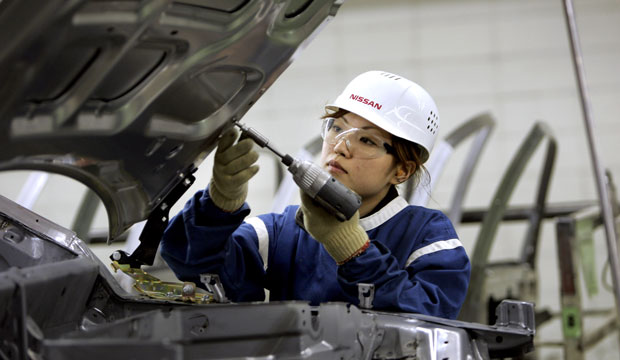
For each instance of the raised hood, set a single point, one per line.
(128, 97)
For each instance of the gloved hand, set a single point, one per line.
(232, 169)
(342, 240)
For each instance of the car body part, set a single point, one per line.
(153, 287)
(366, 295)
(129, 97)
(476, 306)
(214, 285)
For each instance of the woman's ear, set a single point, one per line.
(404, 170)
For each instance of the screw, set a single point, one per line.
(188, 289)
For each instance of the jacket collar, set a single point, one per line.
(384, 214)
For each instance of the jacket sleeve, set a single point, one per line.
(203, 239)
(432, 279)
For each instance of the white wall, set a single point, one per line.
(510, 58)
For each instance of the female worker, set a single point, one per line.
(377, 134)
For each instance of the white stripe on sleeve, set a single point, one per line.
(434, 247)
(263, 238)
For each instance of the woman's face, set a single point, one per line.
(370, 178)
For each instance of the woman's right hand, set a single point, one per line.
(232, 169)
(343, 240)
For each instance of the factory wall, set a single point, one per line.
(508, 58)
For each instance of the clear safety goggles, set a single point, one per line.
(362, 143)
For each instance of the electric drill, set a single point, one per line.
(330, 193)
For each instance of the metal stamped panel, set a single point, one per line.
(128, 97)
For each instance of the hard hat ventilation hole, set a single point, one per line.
(433, 122)
(390, 76)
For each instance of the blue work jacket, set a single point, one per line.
(415, 260)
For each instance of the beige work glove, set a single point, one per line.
(232, 169)
(342, 240)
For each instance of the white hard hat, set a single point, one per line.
(395, 104)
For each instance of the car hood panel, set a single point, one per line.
(128, 97)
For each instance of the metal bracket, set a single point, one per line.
(153, 287)
(366, 295)
(513, 313)
(214, 286)
(154, 228)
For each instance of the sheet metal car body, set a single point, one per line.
(128, 97)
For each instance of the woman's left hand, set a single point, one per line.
(342, 240)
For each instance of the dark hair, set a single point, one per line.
(404, 150)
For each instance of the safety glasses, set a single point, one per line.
(362, 143)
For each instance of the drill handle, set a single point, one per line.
(338, 199)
